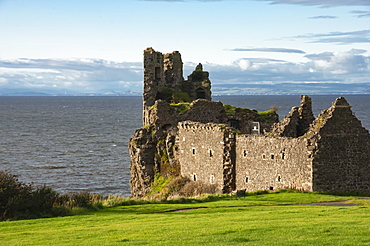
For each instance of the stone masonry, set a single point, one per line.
(240, 149)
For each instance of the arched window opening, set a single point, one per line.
(200, 93)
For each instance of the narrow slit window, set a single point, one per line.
(194, 176)
(210, 153)
(245, 153)
(193, 151)
(283, 156)
(246, 179)
(212, 179)
(272, 156)
(157, 73)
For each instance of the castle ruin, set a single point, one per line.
(187, 134)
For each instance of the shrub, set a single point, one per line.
(199, 75)
(83, 199)
(179, 97)
(19, 200)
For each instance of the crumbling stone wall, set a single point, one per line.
(341, 150)
(163, 78)
(272, 163)
(162, 114)
(297, 122)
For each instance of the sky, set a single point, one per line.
(248, 46)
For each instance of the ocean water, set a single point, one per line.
(81, 143)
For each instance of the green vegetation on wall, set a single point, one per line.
(179, 97)
(169, 95)
(199, 76)
(269, 116)
(229, 109)
(181, 107)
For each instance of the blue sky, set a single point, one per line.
(96, 46)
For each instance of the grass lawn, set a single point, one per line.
(251, 220)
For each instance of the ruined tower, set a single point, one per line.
(163, 80)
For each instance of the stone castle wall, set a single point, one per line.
(161, 114)
(272, 163)
(342, 150)
(247, 162)
(202, 155)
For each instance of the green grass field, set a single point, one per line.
(252, 220)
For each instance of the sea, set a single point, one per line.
(74, 144)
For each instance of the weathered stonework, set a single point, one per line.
(333, 155)
(163, 78)
(342, 150)
(272, 163)
(240, 149)
(297, 122)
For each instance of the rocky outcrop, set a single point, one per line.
(142, 148)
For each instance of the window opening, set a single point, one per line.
(234, 123)
(255, 128)
(272, 156)
(246, 179)
(212, 179)
(200, 93)
(279, 178)
(194, 176)
(193, 151)
(271, 188)
(210, 153)
(245, 153)
(157, 73)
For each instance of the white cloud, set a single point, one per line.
(244, 64)
(325, 67)
(362, 36)
(351, 62)
(88, 75)
(278, 50)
